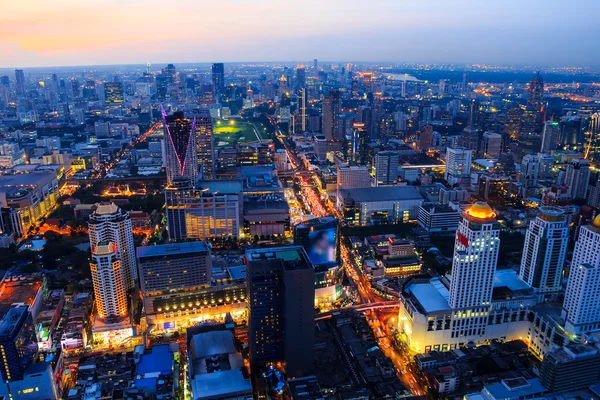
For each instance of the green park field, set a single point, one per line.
(232, 132)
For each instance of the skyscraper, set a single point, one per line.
(205, 144)
(281, 293)
(218, 77)
(300, 78)
(545, 249)
(530, 170)
(473, 267)
(16, 333)
(181, 153)
(578, 178)
(386, 167)
(113, 94)
(110, 224)
(581, 307)
(458, 164)
(535, 99)
(491, 145)
(426, 138)
(109, 284)
(550, 136)
(331, 115)
(20, 82)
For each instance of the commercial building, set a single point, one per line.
(38, 383)
(578, 178)
(181, 153)
(175, 309)
(581, 307)
(281, 309)
(174, 267)
(379, 205)
(17, 343)
(210, 211)
(205, 144)
(33, 195)
(109, 282)
(218, 78)
(386, 168)
(353, 177)
(113, 94)
(438, 218)
(491, 145)
(216, 368)
(265, 209)
(571, 367)
(545, 249)
(458, 165)
(109, 223)
(320, 239)
(331, 115)
(476, 303)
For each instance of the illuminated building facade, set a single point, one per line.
(331, 115)
(214, 210)
(320, 239)
(109, 282)
(444, 313)
(205, 144)
(113, 94)
(109, 223)
(181, 157)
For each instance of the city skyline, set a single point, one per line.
(66, 35)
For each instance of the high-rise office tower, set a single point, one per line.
(283, 86)
(109, 283)
(110, 224)
(174, 267)
(474, 264)
(458, 164)
(16, 336)
(181, 153)
(218, 77)
(578, 178)
(535, 98)
(491, 145)
(113, 94)
(205, 144)
(302, 100)
(281, 295)
(550, 136)
(331, 115)
(581, 307)
(530, 170)
(20, 82)
(300, 78)
(386, 167)
(545, 249)
(426, 138)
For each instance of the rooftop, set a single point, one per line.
(385, 193)
(172, 248)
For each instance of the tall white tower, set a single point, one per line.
(545, 250)
(110, 224)
(109, 285)
(473, 267)
(581, 308)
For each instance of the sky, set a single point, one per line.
(96, 32)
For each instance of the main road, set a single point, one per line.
(382, 321)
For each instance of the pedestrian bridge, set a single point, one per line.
(360, 307)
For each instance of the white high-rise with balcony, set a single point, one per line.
(110, 224)
(581, 308)
(545, 250)
(109, 285)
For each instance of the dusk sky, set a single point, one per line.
(90, 32)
